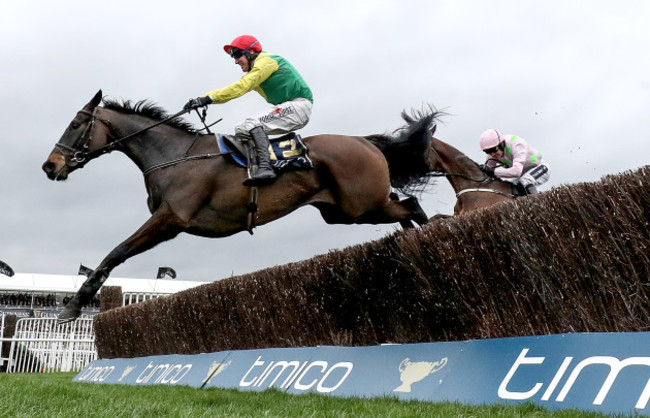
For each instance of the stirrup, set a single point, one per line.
(261, 178)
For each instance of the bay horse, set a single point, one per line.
(195, 189)
(474, 189)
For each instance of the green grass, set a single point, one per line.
(56, 395)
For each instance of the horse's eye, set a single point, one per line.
(74, 125)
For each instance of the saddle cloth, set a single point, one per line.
(287, 152)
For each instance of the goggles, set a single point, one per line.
(492, 150)
(236, 53)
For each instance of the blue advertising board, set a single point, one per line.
(606, 372)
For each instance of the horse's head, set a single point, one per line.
(82, 136)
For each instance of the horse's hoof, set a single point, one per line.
(438, 217)
(421, 218)
(407, 224)
(417, 213)
(68, 315)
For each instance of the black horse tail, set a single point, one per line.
(406, 150)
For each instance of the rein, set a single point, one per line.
(180, 160)
(466, 177)
(111, 146)
(80, 154)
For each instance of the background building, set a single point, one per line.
(45, 295)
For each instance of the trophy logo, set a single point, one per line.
(126, 372)
(215, 369)
(412, 372)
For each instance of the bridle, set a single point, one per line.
(79, 148)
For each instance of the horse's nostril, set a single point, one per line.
(48, 167)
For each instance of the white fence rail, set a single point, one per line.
(129, 297)
(40, 345)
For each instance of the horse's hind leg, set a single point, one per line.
(402, 211)
(405, 223)
(415, 211)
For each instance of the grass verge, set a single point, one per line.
(56, 395)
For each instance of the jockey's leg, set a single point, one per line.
(534, 177)
(531, 189)
(265, 173)
(283, 118)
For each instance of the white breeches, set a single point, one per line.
(538, 175)
(283, 118)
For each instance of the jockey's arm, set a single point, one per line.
(518, 160)
(262, 69)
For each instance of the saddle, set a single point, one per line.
(287, 152)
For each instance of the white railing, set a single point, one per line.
(40, 345)
(129, 298)
(2, 333)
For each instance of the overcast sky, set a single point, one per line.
(571, 77)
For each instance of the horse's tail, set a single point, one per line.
(406, 150)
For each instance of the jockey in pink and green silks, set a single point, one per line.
(511, 157)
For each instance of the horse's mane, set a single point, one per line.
(406, 149)
(147, 109)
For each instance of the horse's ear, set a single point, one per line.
(433, 129)
(94, 101)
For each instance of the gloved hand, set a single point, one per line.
(487, 170)
(198, 102)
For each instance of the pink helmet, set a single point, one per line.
(245, 43)
(489, 139)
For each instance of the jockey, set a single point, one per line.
(509, 156)
(278, 82)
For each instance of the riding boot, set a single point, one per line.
(265, 173)
(531, 189)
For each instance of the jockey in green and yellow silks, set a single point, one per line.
(279, 83)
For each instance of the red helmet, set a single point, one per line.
(245, 43)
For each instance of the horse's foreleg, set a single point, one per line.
(157, 229)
